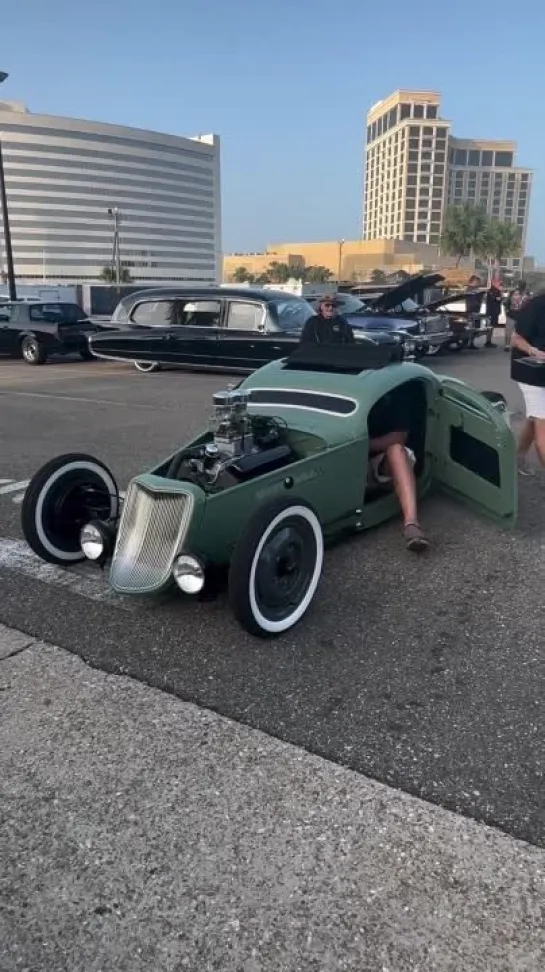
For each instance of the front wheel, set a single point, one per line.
(33, 351)
(147, 366)
(276, 567)
(61, 498)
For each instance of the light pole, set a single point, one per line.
(116, 257)
(340, 266)
(5, 220)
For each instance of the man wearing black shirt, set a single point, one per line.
(392, 462)
(327, 327)
(528, 370)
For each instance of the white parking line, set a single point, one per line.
(13, 487)
(82, 579)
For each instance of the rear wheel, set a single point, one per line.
(61, 498)
(147, 366)
(276, 567)
(33, 351)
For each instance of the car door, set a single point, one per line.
(193, 338)
(474, 451)
(247, 341)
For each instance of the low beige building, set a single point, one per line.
(347, 260)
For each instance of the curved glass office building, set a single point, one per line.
(63, 176)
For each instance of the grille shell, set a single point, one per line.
(152, 529)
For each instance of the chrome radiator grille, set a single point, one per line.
(435, 324)
(152, 528)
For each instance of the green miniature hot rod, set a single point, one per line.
(282, 466)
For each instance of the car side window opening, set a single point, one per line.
(244, 315)
(196, 313)
(403, 409)
(153, 313)
(292, 314)
(5, 313)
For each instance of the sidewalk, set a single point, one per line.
(141, 834)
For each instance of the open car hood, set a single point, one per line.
(454, 298)
(392, 298)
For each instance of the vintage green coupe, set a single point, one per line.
(282, 466)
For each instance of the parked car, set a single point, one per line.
(34, 330)
(234, 329)
(465, 326)
(282, 465)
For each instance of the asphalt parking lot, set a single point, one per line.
(423, 674)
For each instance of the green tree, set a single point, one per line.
(242, 275)
(501, 240)
(377, 276)
(109, 275)
(465, 230)
(279, 272)
(317, 274)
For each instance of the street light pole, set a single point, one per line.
(114, 212)
(5, 219)
(339, 268)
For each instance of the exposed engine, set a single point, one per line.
(241, 447)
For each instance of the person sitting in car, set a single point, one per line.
(392, 462)
(327, 326)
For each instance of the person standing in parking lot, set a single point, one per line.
(514, 303)
(528, 370)
(327, 326)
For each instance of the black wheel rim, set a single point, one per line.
(73, 501)
(285, 568)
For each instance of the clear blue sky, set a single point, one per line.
(286, 85)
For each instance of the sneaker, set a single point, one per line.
(415, 539)
(524, 467)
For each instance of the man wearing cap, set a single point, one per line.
(327, 327)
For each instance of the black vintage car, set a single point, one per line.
(34, 330)
(234, 329)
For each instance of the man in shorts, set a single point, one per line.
(528, 345)
(391, 462)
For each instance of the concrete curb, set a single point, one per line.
(142, 833)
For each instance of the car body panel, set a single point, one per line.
(330, 470)
(409, 288)
(485, 476)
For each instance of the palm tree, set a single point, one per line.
(279, 272)
(317, 274)
(242, 275)
(465, 229)
(109, 275)
(377, 276)
(501, 240)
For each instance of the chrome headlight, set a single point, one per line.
(188, 572)
(92, 541)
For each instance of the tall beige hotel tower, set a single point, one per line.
(406, 165)
(415, 168)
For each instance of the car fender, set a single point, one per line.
(44, 337)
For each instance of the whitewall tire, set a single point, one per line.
(65, 494)
(276, 567)
(147, 366)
